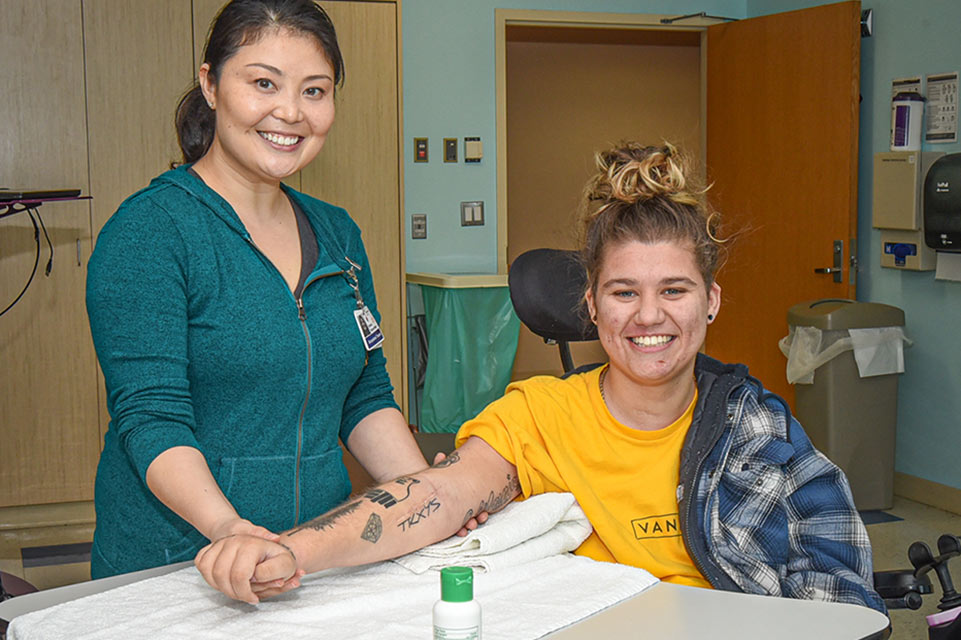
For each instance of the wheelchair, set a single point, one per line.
(547, 288)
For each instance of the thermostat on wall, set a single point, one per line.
(473, 149)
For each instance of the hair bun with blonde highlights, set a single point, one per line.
(632, 172)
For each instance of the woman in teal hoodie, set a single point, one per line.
(234, 318)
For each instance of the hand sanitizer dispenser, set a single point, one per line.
(898, 185)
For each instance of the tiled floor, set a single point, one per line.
(890, 541)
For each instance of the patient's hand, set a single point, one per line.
(248, 568)
(237, 525)
(473, 523)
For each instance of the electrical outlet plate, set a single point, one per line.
(450, 149)
(473, 149)
(472, 213)
(418, 226)
(420, 150)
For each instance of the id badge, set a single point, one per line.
(369, 331)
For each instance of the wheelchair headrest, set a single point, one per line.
(547, 290)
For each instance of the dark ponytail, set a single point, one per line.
(195, 124)
(239, 23)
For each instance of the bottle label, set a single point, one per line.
(457, 633)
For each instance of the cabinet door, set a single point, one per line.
(48, 372)
(358, 168)
(139, 62)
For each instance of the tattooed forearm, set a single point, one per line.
(421, 514)
(386, 498)
(374, 528)
(496, 502)
(327, 520)
(453, 458)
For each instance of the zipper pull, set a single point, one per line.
(300, 309)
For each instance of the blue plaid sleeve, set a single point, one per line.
(829, 550)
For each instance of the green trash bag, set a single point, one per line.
(472, 339)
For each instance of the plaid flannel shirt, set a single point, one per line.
(772, 514)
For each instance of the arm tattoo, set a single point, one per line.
(373, 529)
(496, 502)
(419, 515)
(453, 458)
(327, 520)
(387, 499)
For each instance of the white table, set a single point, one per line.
(663, 611)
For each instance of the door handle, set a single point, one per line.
(837, 269)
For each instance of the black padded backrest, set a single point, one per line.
(547, 290)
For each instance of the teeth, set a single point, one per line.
(278, 139)
(651, 341)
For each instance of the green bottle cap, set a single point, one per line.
(457, 584)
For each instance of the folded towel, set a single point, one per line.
(541, 526)
(378, 601)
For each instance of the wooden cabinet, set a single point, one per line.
(48, 373)
(90, 90)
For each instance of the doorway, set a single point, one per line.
(572, 91)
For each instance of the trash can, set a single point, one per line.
(472, 336)
(844, 358)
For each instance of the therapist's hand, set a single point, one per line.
(248, 567)
(474, 522)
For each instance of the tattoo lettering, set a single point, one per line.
(327, 520)
(453, 458)
(373, 529)
(419, 515)
(496, 502)
(468, 515)
(385, 498)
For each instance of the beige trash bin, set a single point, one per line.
(849, 418)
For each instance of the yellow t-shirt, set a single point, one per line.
(561, 437)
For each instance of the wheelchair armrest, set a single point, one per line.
(901, 589)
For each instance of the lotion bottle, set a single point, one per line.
(456, 615)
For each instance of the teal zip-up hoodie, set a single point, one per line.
(202, 344)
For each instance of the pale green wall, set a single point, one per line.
(449, 91)
(910, 38)
(448, 58)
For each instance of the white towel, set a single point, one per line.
(541, 526)
(542, 589)
(378, 601)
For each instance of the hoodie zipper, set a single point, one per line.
(302, 316)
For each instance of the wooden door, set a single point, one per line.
(359, 166)
(48, 372)
(782, 151)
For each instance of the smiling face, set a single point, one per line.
(274, 104)
(651, 307)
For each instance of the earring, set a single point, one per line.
(710, 317)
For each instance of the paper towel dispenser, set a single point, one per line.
(942, 204)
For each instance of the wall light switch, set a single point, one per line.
(450, 149)
(418, 226)
(473, 149)
(472, 213)
(420, 149)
